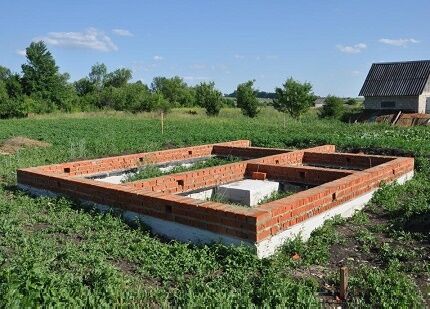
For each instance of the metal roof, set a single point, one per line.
(396, 78)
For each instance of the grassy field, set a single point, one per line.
(53, 253)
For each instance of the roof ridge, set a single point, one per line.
(400, 62)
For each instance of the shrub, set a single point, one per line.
(333, 108)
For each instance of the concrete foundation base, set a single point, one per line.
(248, 191)
(263, 249)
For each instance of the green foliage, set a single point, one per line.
(275, 196)
(247, 100)
(10, 106)
(174, 90)
(97, 75)
(294, 98)
(150, 171)
(388, 288)
(84, 86)
(351, 102)
(118, 78)
(317, 249)
(333, 108)
(209, 98)
(42, 80)
(54, 254)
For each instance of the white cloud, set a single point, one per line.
(355, 73)
(122, 32)
(238, 56)
(91, 38)
(353, 49)
(158, 58)
(398, 42)
(21, 52)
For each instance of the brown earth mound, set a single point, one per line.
(13, 144)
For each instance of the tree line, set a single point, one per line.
(41, 88)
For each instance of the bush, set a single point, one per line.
(351, 102)
(333, 108)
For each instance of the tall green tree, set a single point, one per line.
(41, 78)
(97, 75)
(209, 98)
(246, 99)
(294, 98)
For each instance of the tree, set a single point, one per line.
(209, 98)
(4, 73)
(97, 75)
(247, 100)
(174, 90)
(10, 107)
(84, 86)
(42, 79)
(333, 108)
(118, 78)
(294, 98)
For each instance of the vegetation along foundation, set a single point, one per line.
(262, 199)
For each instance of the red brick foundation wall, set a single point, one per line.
(157, 197)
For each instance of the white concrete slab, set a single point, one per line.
(201, 195)
(248, 191)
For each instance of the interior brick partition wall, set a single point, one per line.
(337, 177)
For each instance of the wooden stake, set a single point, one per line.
(343, 289)
(162, 123)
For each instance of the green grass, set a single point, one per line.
(150, 171)
(55, 254)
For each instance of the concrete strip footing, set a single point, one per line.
(263, 249)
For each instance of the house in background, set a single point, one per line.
(319, 102)
(403, 86)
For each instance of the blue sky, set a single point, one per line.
(330, 43)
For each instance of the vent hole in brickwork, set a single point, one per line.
(276, 161)
(180, 182)
(168, 209)
(334, 196)
(67, 170)
(394, 172)
(140, 159)
(190, 152)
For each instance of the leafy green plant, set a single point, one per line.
(150, 171)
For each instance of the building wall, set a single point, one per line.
(407, 103)
(425, 97)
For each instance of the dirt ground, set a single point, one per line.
(12, 145)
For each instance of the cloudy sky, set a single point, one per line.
(330, 43)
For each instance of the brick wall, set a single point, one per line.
(158, 197)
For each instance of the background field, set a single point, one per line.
(52, 251)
